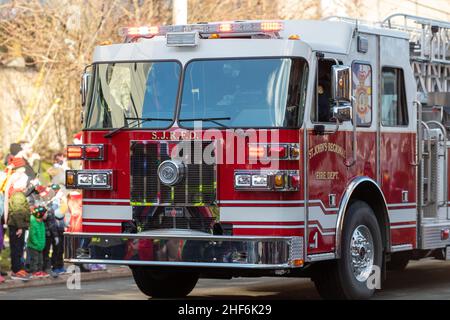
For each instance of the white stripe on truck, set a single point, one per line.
(109, 212)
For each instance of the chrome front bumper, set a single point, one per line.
(185, 248)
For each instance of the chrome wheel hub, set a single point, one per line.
(361, 253)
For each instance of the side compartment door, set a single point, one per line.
(397, 141)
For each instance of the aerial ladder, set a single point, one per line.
(429, 52)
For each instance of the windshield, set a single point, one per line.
(126, 91)
(253, 93)
(236, 93)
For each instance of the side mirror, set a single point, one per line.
(85, 84)
(342, 113)
(340, 83)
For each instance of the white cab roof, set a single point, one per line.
(333, 36)
(315, 35)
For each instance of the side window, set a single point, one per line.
(323, 104)
(362, 91)
(394, 111)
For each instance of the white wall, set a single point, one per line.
(376, 10)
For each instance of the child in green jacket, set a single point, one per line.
(36, 242)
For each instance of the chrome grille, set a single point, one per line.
(191, 223)
(196, 188)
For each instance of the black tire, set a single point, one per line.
(164, 284)
(335, 279)
(398, 261)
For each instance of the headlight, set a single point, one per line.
(89, 179)
(100, 179)
(259, 180)
(84, 179)
(266, 180)
(243, 180)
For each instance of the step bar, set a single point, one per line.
(173, 247)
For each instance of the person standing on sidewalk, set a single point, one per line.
(54, 231)
(17, 216)
(58, 239)
(36, 242)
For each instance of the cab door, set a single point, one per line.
(338, 154)
(328, 154)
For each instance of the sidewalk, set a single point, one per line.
(111, 272)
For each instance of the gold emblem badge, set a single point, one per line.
(320, 89)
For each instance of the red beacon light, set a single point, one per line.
(278, 151)
(92, 152)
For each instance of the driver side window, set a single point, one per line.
(323, 103)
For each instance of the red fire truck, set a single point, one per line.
(266, 148)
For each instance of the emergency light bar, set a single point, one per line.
(204, 28)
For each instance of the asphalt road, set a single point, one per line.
(428, 279)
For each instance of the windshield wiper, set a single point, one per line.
(134, 120)
(213, 120)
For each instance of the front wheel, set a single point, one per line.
(164, 284)
(361, 251)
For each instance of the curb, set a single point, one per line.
(114, 272)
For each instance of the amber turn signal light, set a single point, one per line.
(74, 152)
(70, 179)
(279, 181)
